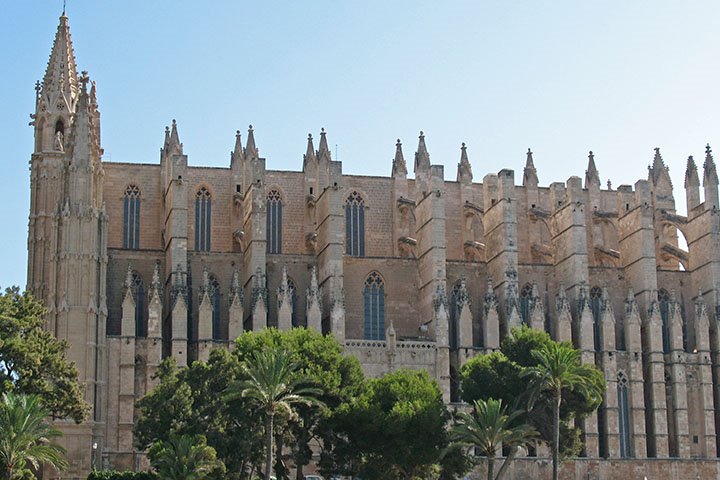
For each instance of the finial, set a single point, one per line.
(529, 152)
(609, 184)
(167, 129)
(309, 136)
(398, 143)
(174, 122)
(322, 130)
(708, 150)
(422, 134)
(463, 146)
(63, 12)
(84, 79)
(250, 127)
(590, 155)
(237, 132)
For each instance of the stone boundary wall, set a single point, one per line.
(601, 469)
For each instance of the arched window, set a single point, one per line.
(131, 218)
(596, 308)
(139, 293)
(454, 315)
(274, 222)
(374, 294)
(214, 295)
(526, 303)
(203, 217)
(623, 415)
(664, 301)
(355, 225)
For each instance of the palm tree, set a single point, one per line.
(273, 382)
(25, 437)
(488, 428)
(183, 457)
(559, 367)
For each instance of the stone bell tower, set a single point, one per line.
(67, 238)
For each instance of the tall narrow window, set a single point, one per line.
(525, 303)
(274, 222)
(203, 217)
(139, 293)
(596, 308)
(454, 315)
(214, 295)
(131, 218)
(292, 290)
(374, 307)
(664, 301)
(624, 415)
(355, 225)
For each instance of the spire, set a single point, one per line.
(309, 156)
(236, 156)
(61, 79)
(592, 177)
(174, 144)
(691, 173)
(464, 173)
(710, 176)
(530, 173)
(323, 151)
(399, 167)
(238, 144)
(251, 150)
(166, 143)
(422, 157)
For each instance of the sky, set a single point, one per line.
(560, 77)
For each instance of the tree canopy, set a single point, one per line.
(34, 361)
(500, 375)
(394, 429)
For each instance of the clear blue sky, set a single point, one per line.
(562, 77)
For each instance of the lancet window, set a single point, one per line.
(203, 220)
(596, 308)
(355, 225)
(214, 294)
(526, 303)
(374, 295)
(454, 315)
(623, 415)
(138, 291)
(274, 222)
(664, 303)
(131, 218)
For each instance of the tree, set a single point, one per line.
(488, 428)
(320, 359)
(559, 367)
(186, 401)
(33, 360)
(184, 457)
(275, 385)
(394, 429)
(25, 437)
(499, 375)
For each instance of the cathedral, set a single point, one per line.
(136, 262)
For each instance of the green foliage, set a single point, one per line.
(273, 382)
(185, 457)
(190, 400)
(500, 375)
(33, 360)
(25, 438)
(115, 475)
(394, 429)
(490, 427)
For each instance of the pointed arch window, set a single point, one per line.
(138, 290)
(131, 218)
(215, 294)
(355, 225)
(596, 308)
(203, 220)
(526, 303)
(623, 415)
(374, 294)
(664, 303)
(274, 222)
(455, 312)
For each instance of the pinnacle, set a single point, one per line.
(251, 150)
(592, 176)
(323, 150)
(422, 157)
(529, 162)
(399, 167)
